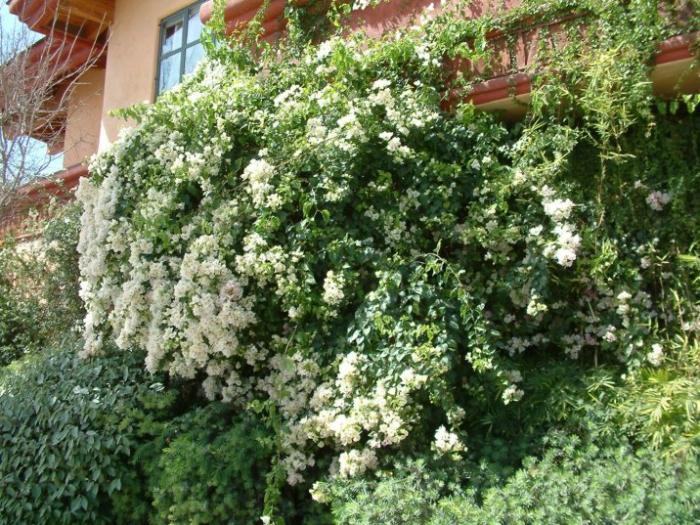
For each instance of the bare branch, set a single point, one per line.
(37, 82)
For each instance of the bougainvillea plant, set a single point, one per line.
(312, 234)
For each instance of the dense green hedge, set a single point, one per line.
(102, 441)
(65, 435)
(573, 483)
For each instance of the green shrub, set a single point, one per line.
(308, 229)
(39, 282)
(212, 471)
(577, 486)
(395, 501)
(572, 484)
(18, 332)
(66, 435)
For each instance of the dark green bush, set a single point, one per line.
(573, 483)
(212, 472)
(65, 435)
(17, 331)
(210, 466)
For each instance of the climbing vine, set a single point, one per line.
(307, 230)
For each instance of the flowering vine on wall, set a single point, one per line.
(320, 241)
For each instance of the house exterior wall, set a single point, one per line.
(132, 58)
(84, 117)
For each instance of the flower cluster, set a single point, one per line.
(658, 199)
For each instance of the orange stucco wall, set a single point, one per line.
(132, 58)
(83, 118)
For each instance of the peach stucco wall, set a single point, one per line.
(83, 118)
(132, 58)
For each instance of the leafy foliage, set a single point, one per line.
(65, 435)
(579, 484)
(212, 472)
(573, 483)
(39, 281)
(17, 331)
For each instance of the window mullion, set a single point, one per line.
(169, 54)
(185, 27)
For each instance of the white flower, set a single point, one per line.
(195, 97)
(624, 296)
(258, 174)
(356, 462)
(318, 493)
(411, 379)
(535, 307)
(423, 53)
(447, 442)
(381, 84)
(535, 232)
(519, 177)
(288, 95)
(333, 288)
(394, 145)
(558, 209)
(568, 243)
(565, 257)
(610, 335)
(512, 393)
(656, 356)
(514, 376)
(348, 372)
(359, 5)
(265, 519)
(546, 191)
(324, 50)
(657, 200)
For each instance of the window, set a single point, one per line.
(180, 47)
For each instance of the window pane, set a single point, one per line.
(169, 72)
(172, 37)
(194, 55)
(194, 25)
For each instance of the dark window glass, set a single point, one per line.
(180, 47)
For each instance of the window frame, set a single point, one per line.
(181, 15)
